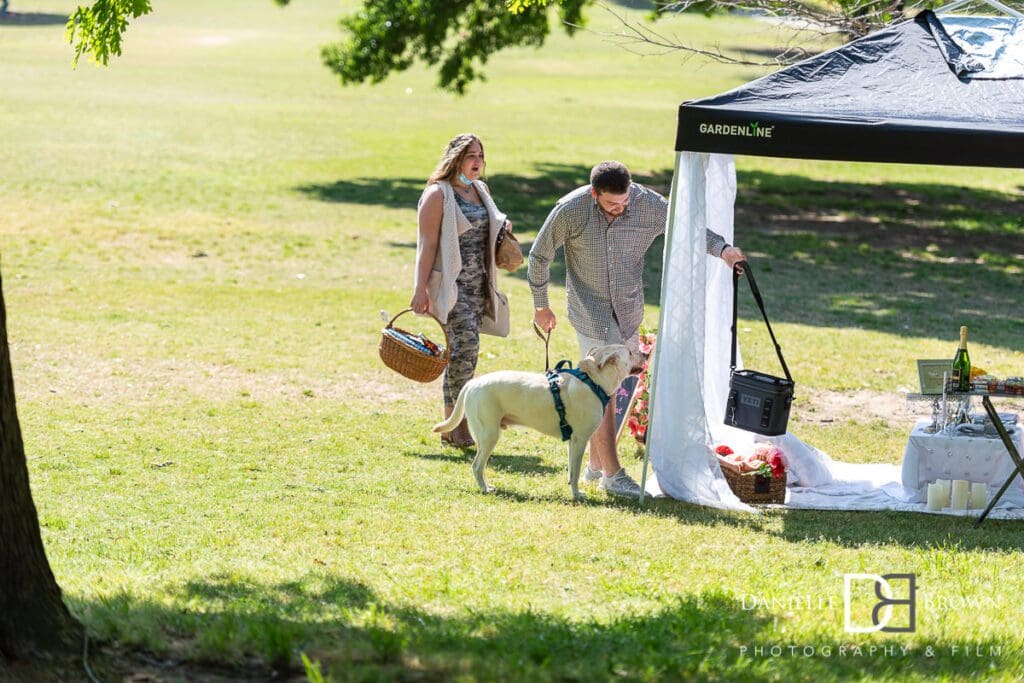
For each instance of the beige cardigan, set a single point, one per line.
(441, 285)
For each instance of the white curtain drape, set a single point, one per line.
(680, 443)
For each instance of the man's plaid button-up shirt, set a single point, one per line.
(604, 260)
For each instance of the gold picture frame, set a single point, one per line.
(930, 374)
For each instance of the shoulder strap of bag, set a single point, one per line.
(760, 304)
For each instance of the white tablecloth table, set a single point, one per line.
(954, 456)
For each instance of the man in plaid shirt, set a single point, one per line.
(605, 229)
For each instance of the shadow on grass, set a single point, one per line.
(258, 631)
(905, 259)
(523, 464)
(915, 260)
(32, 19)
(526, 199)
(906, 529)
(853, 529)
(639, 5)
(564, 497)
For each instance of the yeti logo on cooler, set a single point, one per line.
(752, 401)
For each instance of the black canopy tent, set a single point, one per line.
(892, 96)
(906, 94)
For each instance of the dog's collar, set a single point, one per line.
(556, 393)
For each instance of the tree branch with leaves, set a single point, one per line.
(455, 36)
(95, 30)
(458, 37)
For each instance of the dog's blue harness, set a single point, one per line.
(565, 366)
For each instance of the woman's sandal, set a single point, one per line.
(458, 437)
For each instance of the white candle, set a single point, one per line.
(935, 501)
(943, 485)
(979, 495)
(958, 498)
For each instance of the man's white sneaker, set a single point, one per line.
(620, 484)
(590, 476)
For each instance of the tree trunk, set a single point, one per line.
(33, 618)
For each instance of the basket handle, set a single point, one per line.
(447, 339)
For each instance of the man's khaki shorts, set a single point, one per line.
(587, 343)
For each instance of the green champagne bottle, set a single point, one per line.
(960, 376)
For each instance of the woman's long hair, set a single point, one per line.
(454, 154)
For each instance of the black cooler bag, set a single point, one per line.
(757, 402)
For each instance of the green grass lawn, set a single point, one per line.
(196, 243)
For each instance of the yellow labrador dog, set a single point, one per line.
(496, 400)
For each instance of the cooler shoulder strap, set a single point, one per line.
(760, 304)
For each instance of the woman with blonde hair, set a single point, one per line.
(455, 275)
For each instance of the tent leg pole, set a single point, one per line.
(643, 475)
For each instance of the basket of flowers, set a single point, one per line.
(758, 477)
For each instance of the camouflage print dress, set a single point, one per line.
(464, 318)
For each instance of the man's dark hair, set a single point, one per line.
(610, 176)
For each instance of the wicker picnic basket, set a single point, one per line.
(754, 488)
(416, 363)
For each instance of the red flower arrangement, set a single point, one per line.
(766, 460)
(637, 421)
